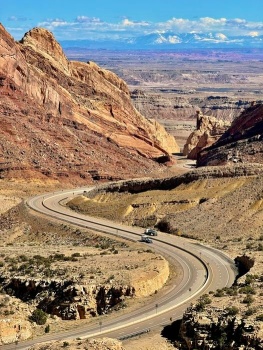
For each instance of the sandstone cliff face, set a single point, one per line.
(76, 115)
(217, 329)
(14, 324)
(12, 330)
(209, 129)
(72, 299)
(242, 142)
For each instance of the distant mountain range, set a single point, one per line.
(169, 40)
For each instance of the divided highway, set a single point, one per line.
(204, 269)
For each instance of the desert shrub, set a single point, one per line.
(249, 246)
(65, 344)
(232, 310)
(76, 255)
(250, 311)
(248, 299)
(38, 316)
(219, 293)
(148, 251)
(259, 317)
(247, 290)
(231, 290)
(47, 329)
(166, 226)
(250, 278)
(23, 257)
(202, 302)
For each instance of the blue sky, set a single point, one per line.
(114, 19)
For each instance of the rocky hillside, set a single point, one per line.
(242, 142)
(208, 130)
(220, 206)
(69, 120)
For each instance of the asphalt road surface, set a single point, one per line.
(204, 269)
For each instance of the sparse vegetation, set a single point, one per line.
(232, 310)
(202, 302)
(38, 316)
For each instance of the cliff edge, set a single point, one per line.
(66, 119)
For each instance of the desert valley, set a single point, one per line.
(169, 140)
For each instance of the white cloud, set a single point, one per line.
(85, 19)
(126, 22)
(53, 23)
(253, 34)
(17, 19)
(84, 27)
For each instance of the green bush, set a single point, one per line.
(232, 310)
(219, 293)
(259, 317)
(247, 290)
(249, 279)
(248, 299)
(250, 311)
(202, 302)
(38, 316)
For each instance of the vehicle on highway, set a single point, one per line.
(150, 232)
(146, 239)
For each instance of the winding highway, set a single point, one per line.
(204, 269)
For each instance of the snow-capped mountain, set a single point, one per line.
(170, 40)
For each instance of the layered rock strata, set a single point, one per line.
(241, 143)
(208, 130)
(62, 119)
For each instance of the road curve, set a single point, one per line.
(204, 269)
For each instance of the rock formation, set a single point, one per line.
(208, 130)
(80, 298)
(14, 323)
(12, 330)
(64, 119)
(242, 142)
(217, 329)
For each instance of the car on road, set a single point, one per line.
(146, 239)
(150, 232)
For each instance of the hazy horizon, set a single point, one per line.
(148, 22)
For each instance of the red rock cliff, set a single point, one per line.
(65, 117)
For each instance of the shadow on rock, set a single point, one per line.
(171, 332)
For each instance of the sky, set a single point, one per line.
(116, 19)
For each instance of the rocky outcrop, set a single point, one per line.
(12, 330)
(14, 324)
(69, 299)
(75, 114)
(147, 184)
(81, 299)
(217, 329)
(241, 143)
(208, 130)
